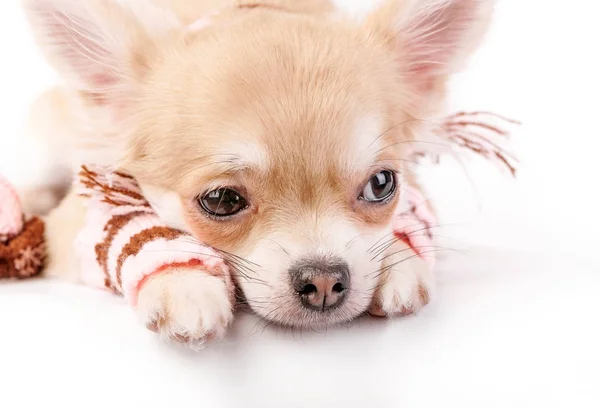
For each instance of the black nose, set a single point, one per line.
(321, 283)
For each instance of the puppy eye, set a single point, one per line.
(380, 187)
(222, 202)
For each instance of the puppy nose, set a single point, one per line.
(321, 284)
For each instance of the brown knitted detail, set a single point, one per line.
(24, 256)
(125, 176)
(112, 227)
(90, 179)
(137, 242)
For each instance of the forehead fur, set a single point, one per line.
(306, 92)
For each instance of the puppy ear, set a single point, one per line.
(97, 46)
(432, 38)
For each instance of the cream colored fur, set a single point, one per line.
(293, 96)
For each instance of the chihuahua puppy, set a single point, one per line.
(276, 131)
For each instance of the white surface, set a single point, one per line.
(515, 324)
(506, 330)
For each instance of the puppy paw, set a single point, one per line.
(186, 306)
(406, 284)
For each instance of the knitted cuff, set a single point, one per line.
(123, 242)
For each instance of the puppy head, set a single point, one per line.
(278, 138)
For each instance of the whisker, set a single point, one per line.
(385, 247)
(241, 260)
(349, 243)
(187, 252)
(388, 267)
(394, 239)
(380, 239)
(237, 257)
(276, 243)
(503, 118)
(413, 141)
(418, 247)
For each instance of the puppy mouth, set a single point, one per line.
(291, 311)
(316, 290)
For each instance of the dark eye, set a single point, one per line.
(380, 187)
(222, 202)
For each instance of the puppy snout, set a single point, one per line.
(321, 284)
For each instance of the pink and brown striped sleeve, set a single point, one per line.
(124, 242)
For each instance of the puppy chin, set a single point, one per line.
(271, 293)
(305, 319)
(286, 310)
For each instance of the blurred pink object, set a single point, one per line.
(11, 214)
(414, 225)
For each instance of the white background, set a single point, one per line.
(516, 320)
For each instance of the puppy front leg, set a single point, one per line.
(62, 227)
(179, 289)
(186, 304)
(406, 279)
(405, 285)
